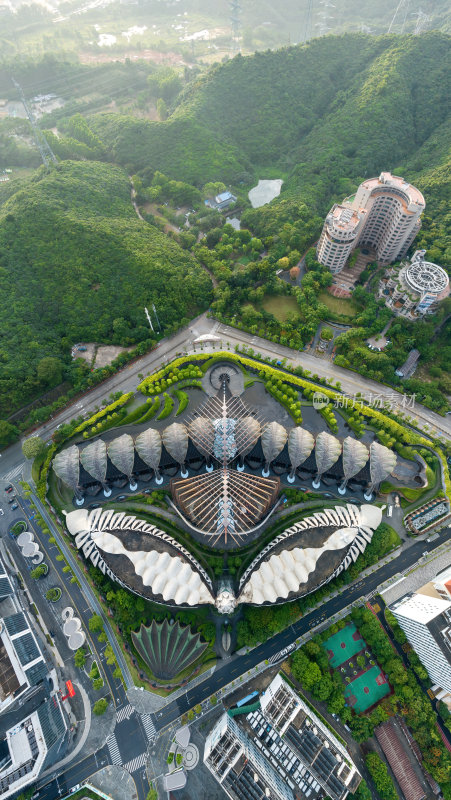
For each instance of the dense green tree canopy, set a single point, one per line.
(33, 447)
(77, 264)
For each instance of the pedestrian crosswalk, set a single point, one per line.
(114, 750)
(13, 473)
(124, 713)
(136, 763)
(149, 727)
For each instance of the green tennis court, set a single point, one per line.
(366, 690)
(343, 645)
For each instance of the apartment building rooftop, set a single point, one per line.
(421, 608)
(22, 664)
(6, 588)
(280, 741)
(31, 745)
(311, 756)
(242, 770)
(344, 218)
(388, 181)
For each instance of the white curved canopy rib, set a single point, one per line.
(175, 440)
(355, 456)
(168, 569)
(274, 437)
(300, 445)
(66, 466)
(286, 572)
(274, 577)
(122, 453)
(93, 459)
(327, 451)
(148, 447)
(382, 462)
(166, 575)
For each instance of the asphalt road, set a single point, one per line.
(351, 382)
(127, 379)
(363, 588)
(130, 736)
(131, 740)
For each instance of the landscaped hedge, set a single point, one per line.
(110, 409)
(183, 399)
(167, 408)
(135, 416)
(153, 407)
(401, 433)
(159, 381)
(287, 397)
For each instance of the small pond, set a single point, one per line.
(264, 192)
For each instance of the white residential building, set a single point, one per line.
(426, 621)
(31, 745)
(338, 237)
(384, 214)
(22, 664)
(239, 766)
(317, 761)
(280, 749)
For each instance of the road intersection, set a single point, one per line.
(134, 731)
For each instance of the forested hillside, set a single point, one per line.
(77, 264)
(324, 114)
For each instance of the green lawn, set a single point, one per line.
(339, 305)
(343, 645)
(281, 306)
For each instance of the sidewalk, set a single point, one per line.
(146, 702)
(115, 782)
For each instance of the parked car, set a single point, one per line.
(14, 506)
(9, 488)
(11, 499)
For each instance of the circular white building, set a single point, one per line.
(415, 289)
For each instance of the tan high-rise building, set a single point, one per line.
(384, 214)
(338, 237)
